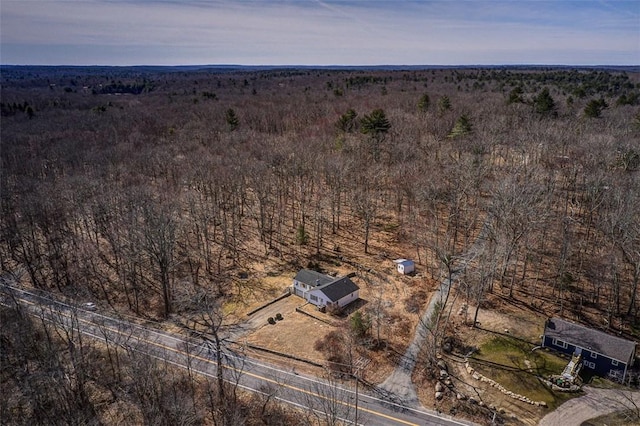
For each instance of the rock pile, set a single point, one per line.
(444, 382)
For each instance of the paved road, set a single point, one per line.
(597, 402)
(305, 392)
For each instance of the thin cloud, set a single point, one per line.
(320, 32)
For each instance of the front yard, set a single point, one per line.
(515, 364)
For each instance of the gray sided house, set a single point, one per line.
(606, 355)
(324, 290)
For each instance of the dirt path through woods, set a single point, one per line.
(399, 383)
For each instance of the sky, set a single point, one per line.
(308, 32)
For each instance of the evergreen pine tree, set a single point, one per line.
(515, 96)
(444, 104)
(347, 121)
(462, 127)
(594, 108)
(232, 119)
(423, 103)
(544, 104)
(376, 125)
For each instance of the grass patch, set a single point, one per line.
(510, 362)
(594, 381)
(512, 352)
(229, 308)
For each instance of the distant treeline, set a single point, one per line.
(119, 87)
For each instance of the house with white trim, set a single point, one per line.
(324, 290)
(607, 355)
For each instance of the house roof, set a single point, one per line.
(313, 278)
(404, 262)
(338, 288)
(588, 338)
(332, 287)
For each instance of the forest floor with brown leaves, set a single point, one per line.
(298, 334)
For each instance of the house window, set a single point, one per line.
(614, 362)
(313, 298)
(616, 375)
(589, 364)
(560, 343)
(594, 355)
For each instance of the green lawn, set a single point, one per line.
(513, 373)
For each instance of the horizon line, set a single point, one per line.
(229, 65)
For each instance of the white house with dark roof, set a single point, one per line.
(324, 290)
(607, 355)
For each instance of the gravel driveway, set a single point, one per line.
(399, 382)
(595, 403)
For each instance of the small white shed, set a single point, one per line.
(405, 266)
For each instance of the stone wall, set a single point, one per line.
(493, 383)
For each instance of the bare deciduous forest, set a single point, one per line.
(143, 189)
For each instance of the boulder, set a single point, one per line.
(439, 395)
(442, 365)
(439, 387)
(460, 397)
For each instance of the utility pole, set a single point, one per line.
(360, 364)
(357, 382)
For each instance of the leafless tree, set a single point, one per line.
(514, 212)
(160, 232)
(328, 402)
(365, 204)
